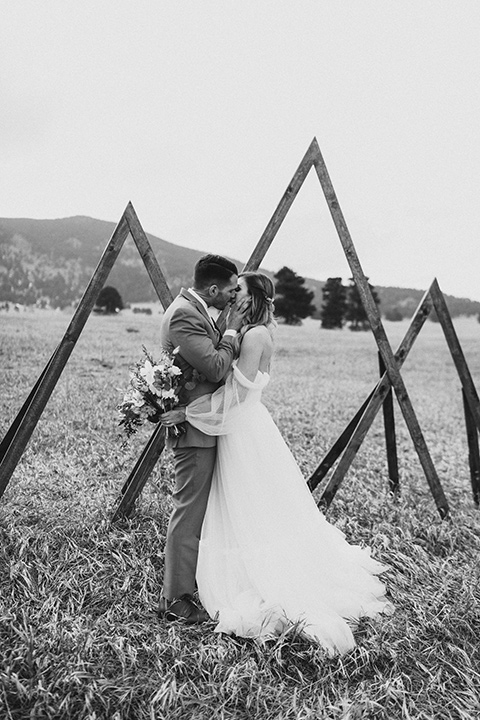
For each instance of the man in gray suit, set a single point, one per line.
(205, 356)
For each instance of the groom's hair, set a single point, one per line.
(213, 270)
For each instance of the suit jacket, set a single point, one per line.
(187, 325)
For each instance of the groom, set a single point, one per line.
(205, 356)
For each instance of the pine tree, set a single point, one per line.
(334, 304)
(356, 314)
(292, 300)
(110, 300)
(394, 314)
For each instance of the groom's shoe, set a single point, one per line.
(184, 609)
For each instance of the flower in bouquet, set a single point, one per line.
(154, 387)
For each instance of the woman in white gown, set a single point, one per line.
(267, 557)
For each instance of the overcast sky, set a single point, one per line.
(199, 112)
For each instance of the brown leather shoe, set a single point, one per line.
(183, 609)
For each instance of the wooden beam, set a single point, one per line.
(283, 207)
(149, 260)
(56, 364)
(11, 432)
(338, 447)
(390, 437)
(456, 351)
(135, 482)
(355, 432)
(380, 335)
(137, 479)
(473, 450)
(418, 321)
(275, 222)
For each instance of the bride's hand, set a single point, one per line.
(173, 417)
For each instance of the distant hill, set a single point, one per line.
(55, 259)
(51, 262)
(406, 300)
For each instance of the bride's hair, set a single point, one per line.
(262, 293)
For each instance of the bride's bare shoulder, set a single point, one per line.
(258, 335)
(259, 332)
(256, 351)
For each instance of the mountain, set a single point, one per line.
(51, 262)
(55, 259)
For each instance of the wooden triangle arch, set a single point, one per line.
(17, 437)
(312, 158)
(19, 433)
(351, 438)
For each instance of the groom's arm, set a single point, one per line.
(187, 330)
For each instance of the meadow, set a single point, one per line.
(79, 634)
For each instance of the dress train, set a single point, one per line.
(267, 556)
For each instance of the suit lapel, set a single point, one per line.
(192, 299)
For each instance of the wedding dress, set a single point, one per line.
(267, 556)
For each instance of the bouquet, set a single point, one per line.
(153, 389)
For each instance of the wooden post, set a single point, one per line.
(390, 438)
(380, 335)
(473, 450)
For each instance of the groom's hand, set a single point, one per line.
(173, 417)
(237, 314)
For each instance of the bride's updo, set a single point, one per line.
(262, 293)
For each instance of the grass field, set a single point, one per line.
(79, 636)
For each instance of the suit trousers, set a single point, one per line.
(193, 477)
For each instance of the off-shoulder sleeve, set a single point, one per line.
(216, 414)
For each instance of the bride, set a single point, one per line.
(267, 556)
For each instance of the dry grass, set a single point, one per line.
(79, 637)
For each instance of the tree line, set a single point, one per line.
(341, 304)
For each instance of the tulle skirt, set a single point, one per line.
(268, 557)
